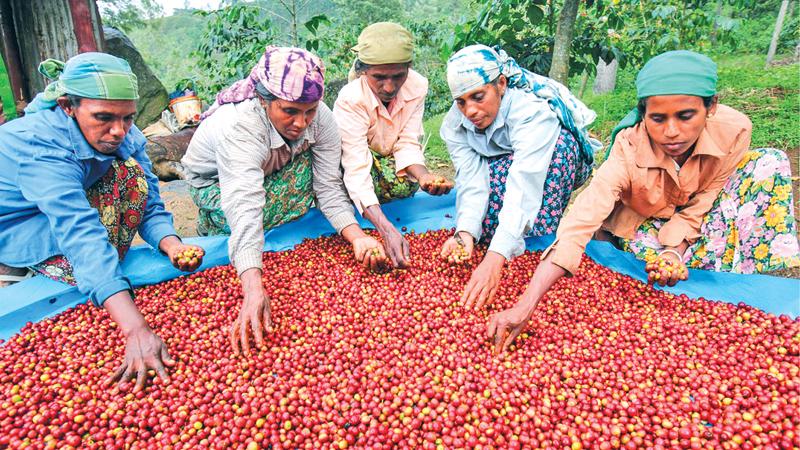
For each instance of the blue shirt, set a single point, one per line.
(525, 126)
(46, 165)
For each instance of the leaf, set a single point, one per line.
(535, 14)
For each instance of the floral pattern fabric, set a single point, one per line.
(568, 170)
(120, 197)
(387, 184)
(750, 227)
(290, 195)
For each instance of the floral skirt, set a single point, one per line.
(290, 194)
(388, 185)
(120, 197)
(568, 171)
(750, 227)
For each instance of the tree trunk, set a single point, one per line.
(773, 46)
(606, 79)
(559, 70)
(716, 23)
(584, 82)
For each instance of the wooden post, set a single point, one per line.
(82, 25)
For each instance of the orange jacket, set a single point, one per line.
(638, 182)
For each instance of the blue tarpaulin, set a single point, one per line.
(37, 298)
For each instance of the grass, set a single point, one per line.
(435, 150)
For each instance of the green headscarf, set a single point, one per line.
(383, 43)
(88, 75)
(679, 72)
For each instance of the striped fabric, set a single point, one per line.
(88, 75)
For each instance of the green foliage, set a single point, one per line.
(127, 15)
(234, 40)
(167, 43)
(5, 92)
(630, 31)
(755, 34)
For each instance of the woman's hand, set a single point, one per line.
(506, 325)
(184, 257)
(144, 350)
(187, 257)
(397, 247)
(483, 283)
(434, 184)
(370, 253)
(458, 248)
(666, 269)
(255, 317)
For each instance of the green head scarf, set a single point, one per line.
(383, 43)
(88, 75)
(679, 72)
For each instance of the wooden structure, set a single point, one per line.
(34, 30)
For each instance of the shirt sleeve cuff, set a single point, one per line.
(470, 225)
(158, 231)
(342, 220)
(675, 231)
(507, 245)
(247, 259)
(566, 255)
(365, 200)
(407, 157)
(101, 293)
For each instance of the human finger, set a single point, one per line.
(466, 297)
(499, 338)
(258, 335)
(243, 337)
(233, 337)
(116, 375)
(166, 358)
(491, 328)
(490, 291)
(141, 375)
(515, 331)
(267, 317)
(160, 370)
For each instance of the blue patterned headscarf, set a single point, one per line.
(476, 65)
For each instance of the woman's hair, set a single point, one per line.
(642, 105)
(361, 67)
(74, 100)
(264, 93)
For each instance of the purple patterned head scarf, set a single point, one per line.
(289, 73)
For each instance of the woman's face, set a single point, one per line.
(290, 119)
(385, 80)
(674, 122)
(104, 123)
(480, 106)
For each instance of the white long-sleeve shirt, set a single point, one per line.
(238, 146)
(525, 126)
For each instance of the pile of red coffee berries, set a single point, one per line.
(392, 360)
